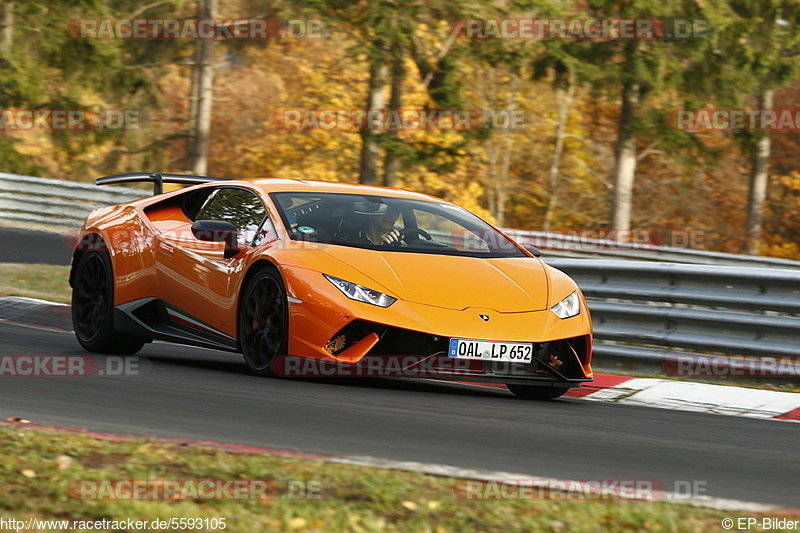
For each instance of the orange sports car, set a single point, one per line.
(316, 278)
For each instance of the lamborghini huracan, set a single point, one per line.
(328, 273)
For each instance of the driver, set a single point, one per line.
(381, 230)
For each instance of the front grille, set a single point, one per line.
(393, 341)
(554, 360)
(558, 359)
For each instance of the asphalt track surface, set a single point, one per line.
(30, 246)
(198, 393)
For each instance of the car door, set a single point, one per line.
(196, 280)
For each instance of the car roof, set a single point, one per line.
(269, 185)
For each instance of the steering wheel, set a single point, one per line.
(407, 233)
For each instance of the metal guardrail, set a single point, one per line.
(646, 312)
(58, 203)
(64, 204)
(566, 246)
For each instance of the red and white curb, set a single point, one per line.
(698, 397)
(686, 396)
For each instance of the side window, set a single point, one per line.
(240, 207)
(267, 233)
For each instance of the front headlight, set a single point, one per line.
(361, 294)
(568, 307)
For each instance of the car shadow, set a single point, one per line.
(231, 363)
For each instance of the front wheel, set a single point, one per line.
(93, 307)
(263, 322)
(535, 392)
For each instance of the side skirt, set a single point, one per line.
(153, 318)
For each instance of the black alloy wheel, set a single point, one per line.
(263, 322)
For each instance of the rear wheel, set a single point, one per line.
(93, 307)
(263, 322)
(536, 392)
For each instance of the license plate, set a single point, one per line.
(510, 352)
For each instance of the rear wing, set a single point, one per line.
(158, 179)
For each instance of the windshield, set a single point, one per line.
(391, 224)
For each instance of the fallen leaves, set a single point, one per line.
(297, 523)
(411, 506)
(63, 462)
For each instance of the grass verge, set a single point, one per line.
(39, 468)
(47, 282)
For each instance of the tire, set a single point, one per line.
(93, 307)
(536, 392)
(263, 322)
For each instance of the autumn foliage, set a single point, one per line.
(504, 175)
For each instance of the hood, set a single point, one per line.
(506, 285)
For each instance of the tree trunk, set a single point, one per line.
(390, 162)
(564, 104)
(503, 186)
(491, 176)
(376, 100)
(8, 29)
(202, 94)
(759, 174)
(194, 101)
(625, 160)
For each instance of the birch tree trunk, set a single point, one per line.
(564, 105)
(759, 174)
(503, 182)
(202, 94)
(8, 29)
(390, 162)
(625, 160)
(376, 100)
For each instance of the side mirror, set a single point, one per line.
(218, 231)
(532, 249)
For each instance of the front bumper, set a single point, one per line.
(325, 326)
(364, 349)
